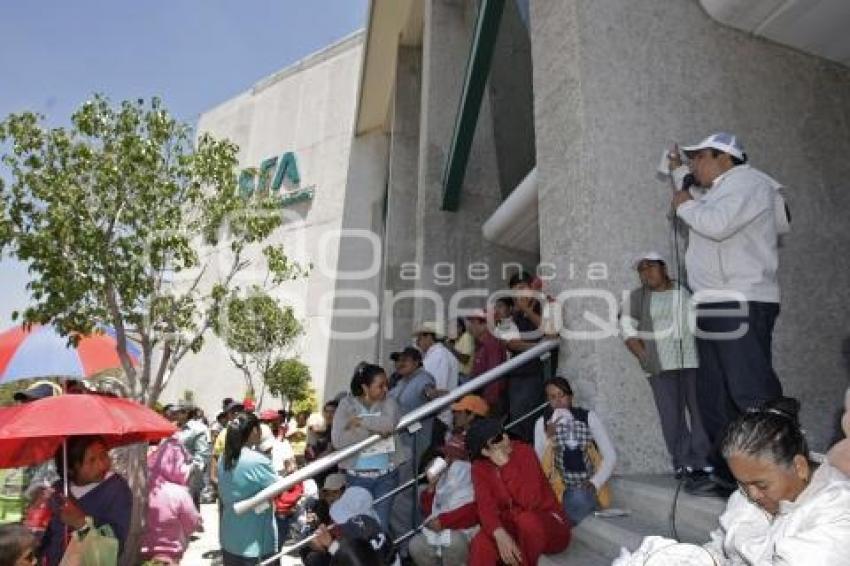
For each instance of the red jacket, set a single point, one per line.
(285, 503)
(502, 493)
(464, 517)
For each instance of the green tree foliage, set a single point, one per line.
(257, 330)
(124, 219)
(290, 379)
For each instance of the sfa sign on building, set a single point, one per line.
(278, 177)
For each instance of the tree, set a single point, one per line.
(290, 379)
(257, 330)
(124, 220)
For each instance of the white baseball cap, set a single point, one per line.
(648, 256)
(721, 141)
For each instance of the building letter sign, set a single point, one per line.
(285, 183)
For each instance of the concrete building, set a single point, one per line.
(515, 131)
(294, 131)
(457, 140)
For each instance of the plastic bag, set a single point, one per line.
(91, 546)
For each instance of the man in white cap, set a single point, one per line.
(732, 262)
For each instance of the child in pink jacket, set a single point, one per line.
(172, 516)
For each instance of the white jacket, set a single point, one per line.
(814, 530)
(733, 238)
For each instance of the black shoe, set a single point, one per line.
(699, 483)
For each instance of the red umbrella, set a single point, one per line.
(33, 432)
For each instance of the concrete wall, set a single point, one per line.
(454, 238)
(307, 109)
(356, 316)
(614, 82)
(512, 99)
(402, 196)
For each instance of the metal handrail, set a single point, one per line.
(407, 485)
(413, 417)
(422, 476)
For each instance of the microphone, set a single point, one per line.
(688, 181)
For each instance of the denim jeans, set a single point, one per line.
(377, 487)
(284, 526)
(579, 502)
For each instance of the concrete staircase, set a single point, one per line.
(597, 541)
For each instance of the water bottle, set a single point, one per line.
(39, 513)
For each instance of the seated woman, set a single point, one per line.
(787, 510)
(569, 432)
(367, 411)
(448, 504)
(242, 473)
(94, 492)
(520, 517)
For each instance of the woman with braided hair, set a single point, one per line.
(788, 509)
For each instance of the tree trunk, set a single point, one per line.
(131, 463)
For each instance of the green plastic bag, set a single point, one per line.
(91, 546)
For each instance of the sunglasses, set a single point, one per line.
(496, 439)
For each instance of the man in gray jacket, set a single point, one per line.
(732, 262)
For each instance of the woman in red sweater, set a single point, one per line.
(519, 515)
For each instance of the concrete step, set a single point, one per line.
(649, 500)
(577, 554)
(652, 496)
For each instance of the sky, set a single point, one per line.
(194, 54)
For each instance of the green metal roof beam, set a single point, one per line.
(477, 70)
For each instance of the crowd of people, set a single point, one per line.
(503, 474)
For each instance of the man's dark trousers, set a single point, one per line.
(735, 365)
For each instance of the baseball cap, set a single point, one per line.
(409, 352)
(365, 527)
(648, 256)
(233, 406)
(430, 327)
(35, 392)
(179, 406)
(334, 482)
(269, 415)
(473, 404)
(721, 141)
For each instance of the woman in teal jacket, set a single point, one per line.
(242, 473)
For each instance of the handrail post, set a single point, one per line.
(414, 468)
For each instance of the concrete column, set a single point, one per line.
(356, 334)
(402, 196)
(614, 82)
(449, 242)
